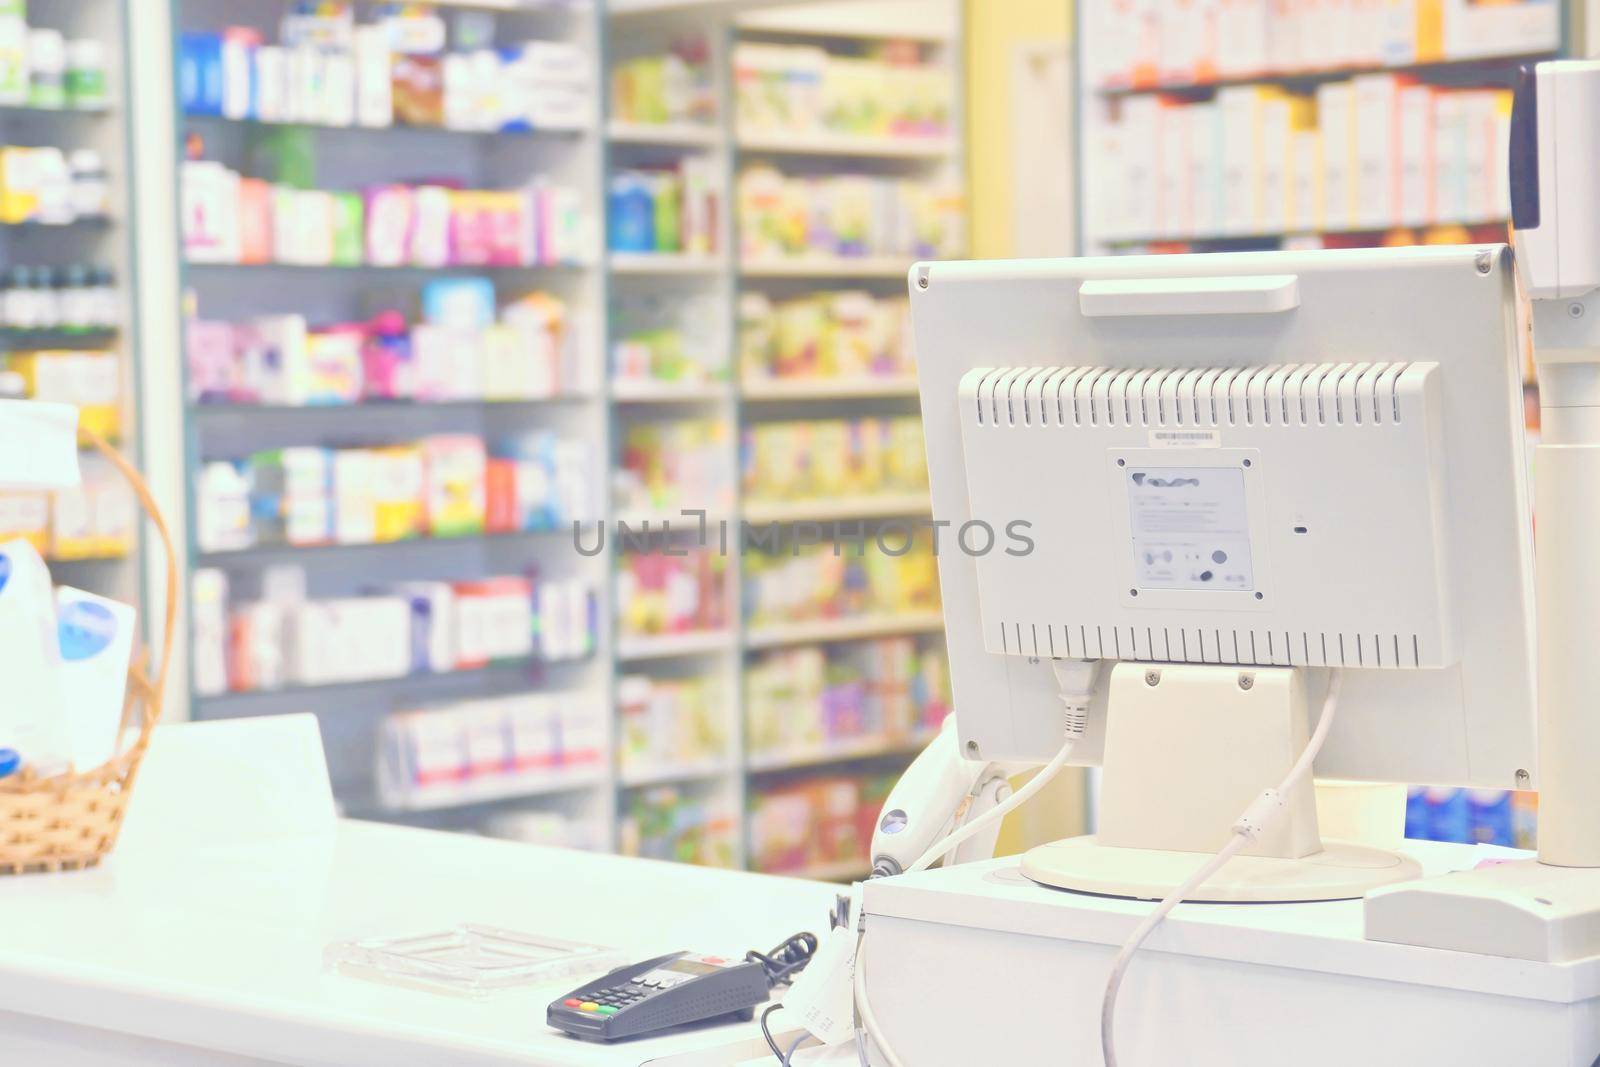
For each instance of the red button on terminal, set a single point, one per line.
(572, 1002)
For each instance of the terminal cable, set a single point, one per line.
(1256, 818)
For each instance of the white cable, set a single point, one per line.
(1076, 681)
(999, 811)
(1249, 826)
(869, 1021)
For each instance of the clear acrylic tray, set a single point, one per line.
(470, 959)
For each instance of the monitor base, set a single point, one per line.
(1341, 871)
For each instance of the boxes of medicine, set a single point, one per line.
(454, 487)
(90, 381)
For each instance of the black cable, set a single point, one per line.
(767, 1033)
(782, 963)
(785, 961)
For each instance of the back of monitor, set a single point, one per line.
(1349, 426)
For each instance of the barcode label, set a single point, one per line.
(1185, 439)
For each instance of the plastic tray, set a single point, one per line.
(470, 959)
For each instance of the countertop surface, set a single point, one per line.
(221, 947)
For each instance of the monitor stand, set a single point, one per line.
(1187, 749)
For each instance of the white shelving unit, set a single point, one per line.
(1463, 46)
(846, 27)
(582, 155)
(101, 240)
(571, 154)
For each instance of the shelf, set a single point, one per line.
(1331, 74)
(403, 269)
(667, 646)
(531, 7)
(779, 389)
(641, 777)
(861, 507)
(409, 689)
(371, 408)
(490, 790)
(859, 749)
(827, 267)
(11, 338)
(624, 391)
(53, 112)
(847, 19)
(664, 134)
(777, 635)
(847, 146)
(81, 221)
(398, 128)
(265, 554)
(1240, 238)
(666, 263)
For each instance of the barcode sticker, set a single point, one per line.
(1186, 438)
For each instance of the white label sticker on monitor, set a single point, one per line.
(1190, 528)
(1185, 438)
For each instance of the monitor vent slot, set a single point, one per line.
(1287, 394)
(1262, 648)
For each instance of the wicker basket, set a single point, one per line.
(71, 820)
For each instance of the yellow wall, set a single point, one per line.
(994, 28)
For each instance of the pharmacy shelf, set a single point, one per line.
(402, 270)
(664, 134)
(625, 391)
(883, 505)
(74, 112)
(524, 674)
(77, 222)
(866, 748)
(397, 130)
(1475, 65)
(1255, 237)
(266, 555)
(377, 409)
(805, 389)
(666, 263)
(519, 787)
(779, 635)
(826, 267)
(900, 20)
(519, 6)
(670, 646)
(643, 777)
(18, 338)
(846, 146)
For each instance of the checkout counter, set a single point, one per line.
(200, 939)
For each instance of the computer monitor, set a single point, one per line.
(1276, 459)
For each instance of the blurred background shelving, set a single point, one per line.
(393, 316)
(370, 477)
(774, 335)
(66, 240)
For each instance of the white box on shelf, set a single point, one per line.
(1336, 118)
(1377, 126)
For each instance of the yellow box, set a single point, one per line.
(90, 381)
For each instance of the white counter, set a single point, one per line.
(176, 953)
(222, 951)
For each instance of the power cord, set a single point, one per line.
(786, 960)
(782, 963)
(1075, 682)
(1256, 818)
